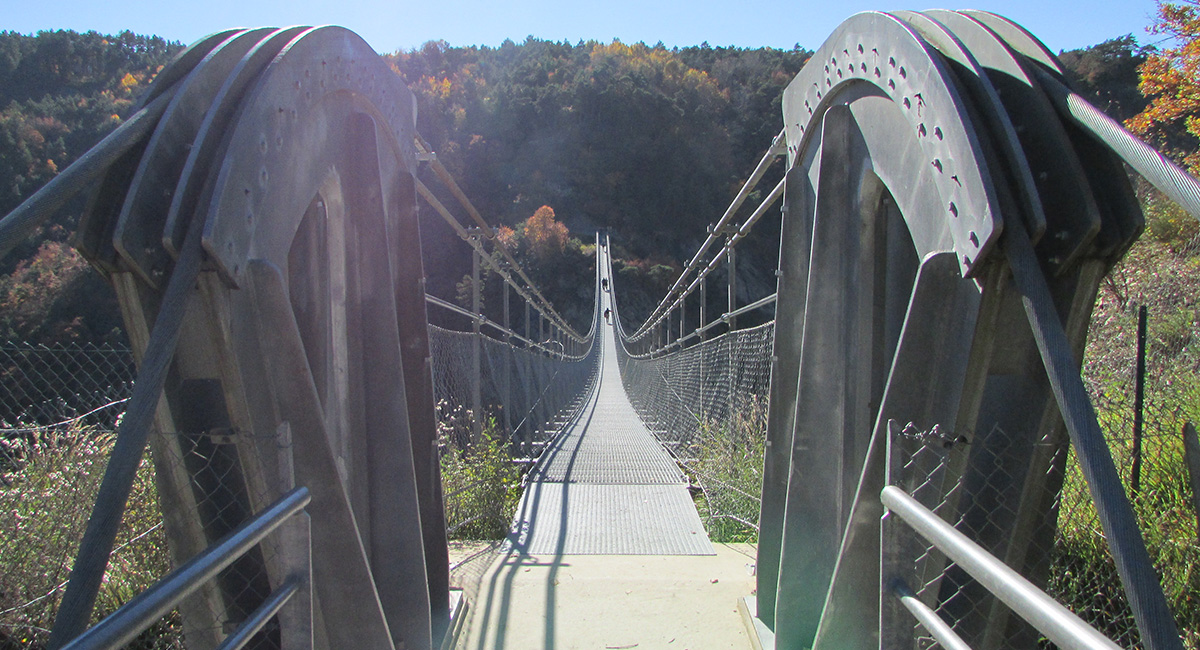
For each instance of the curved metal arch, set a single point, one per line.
(290, 154)
(315, 191)
(893, 127)
(909, 193)
(882, 52)
(98, 221)
(138, 231)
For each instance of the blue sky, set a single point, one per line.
(389, 25)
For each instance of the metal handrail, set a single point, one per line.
(541, 303)
(484, 320)
(261, 616)
(778, 148)
(720, 320)
(123, 625)
(945, 635)
(1048, 616)
(488, 260)
(742, 231)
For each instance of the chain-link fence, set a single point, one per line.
(207, 491)
(1063, 547)
(708, 405)
(42, 385)
(1147, 443)
(922, 464)
(59, 408)
(46, 500)
(523, 397)
(62, 406)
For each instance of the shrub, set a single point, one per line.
(480, 481)
(1169, 223)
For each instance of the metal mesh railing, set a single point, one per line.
(708, 404)
(523, 395)
(65, 403)
(59, 407)
(52, 459)
(206, 495)
(977, 503)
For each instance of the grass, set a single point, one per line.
(727, 463)
(1162, 272)
(1084, 576)
(48, 482)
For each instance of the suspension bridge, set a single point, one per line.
(949, 205)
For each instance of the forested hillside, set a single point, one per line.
(60, 93)
(649, 142)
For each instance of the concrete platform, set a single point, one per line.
(609, 601)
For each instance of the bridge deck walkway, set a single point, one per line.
(606, 485)
(607, 549)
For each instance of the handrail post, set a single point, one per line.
(529, 397)
(296, 617)
(295, 549)
(731, 258)
(703, 308)
(682, 316)
(507, 384)
(476, 351)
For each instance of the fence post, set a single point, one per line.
(1191, 452)
(529, 395)
(703, 337)
(1135, 481)
(670, 317)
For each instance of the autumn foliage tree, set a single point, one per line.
(1171, 79)
(546, 237)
